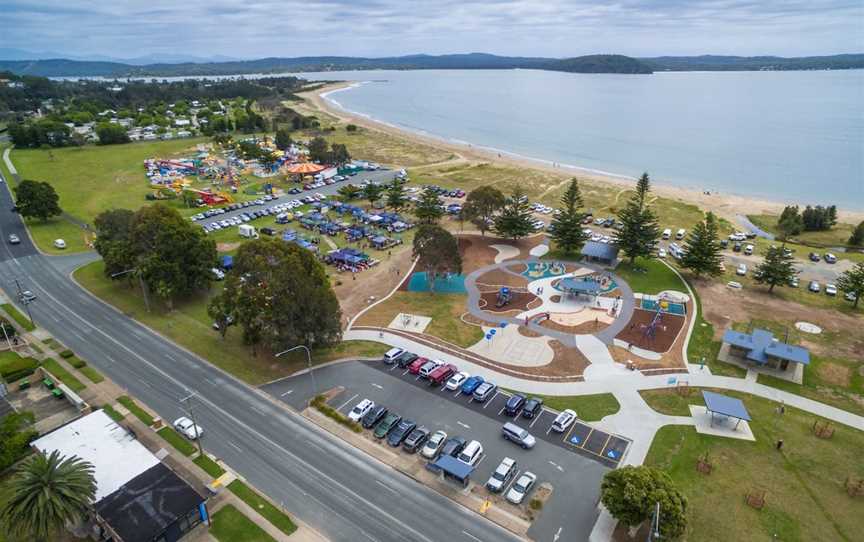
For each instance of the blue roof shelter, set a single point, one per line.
(726, 406)
(452, 468)
(605, 253)
(762, 348)
(587, 286)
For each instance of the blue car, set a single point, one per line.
(471, 384)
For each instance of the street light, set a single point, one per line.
(308, 361)
(191, 412)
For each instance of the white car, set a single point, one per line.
(456, 380)
(392, 354)
(360, 410)
(59, 243)
(430, 449)
(661, 252)
(471, 454)
(563, 421)
(521, 487)
(735, 285)
(190, 430)
(217, 273)
(830, 289)
(505, 470)
(850, 296)
(741, 269)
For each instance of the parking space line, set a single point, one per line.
(482, 457)
(458, 392)
(510, 483)
(443, 388)
(374, 385)
(535, 420)
(502, 410)
(405, 373)
(489, 401)
(289, 392)
(393, 368)
(465, 425)
(471, 536)
(343, 405)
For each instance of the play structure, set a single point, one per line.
(542, 270)
(662, 303)
(650, 331)
(504, 297)
(446, 283)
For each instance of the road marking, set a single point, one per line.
(289, 392)
(535, 420)
(501, 411)
(443, 388)
(557, 466)
(385, 486)
(458, 392)
(379, 386)
(348, 401)
(469, 535)
(393, 368)
(238, 448)
(549, 430)
(465, 425)
(489, 401)
(557, 534)
(510, 483)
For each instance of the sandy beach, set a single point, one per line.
(722, 204)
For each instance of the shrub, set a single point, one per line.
(132, 407)
(66, 354)
(76, 362)
(535, 504)
(14, 368)
(351, 128)
(320, 403)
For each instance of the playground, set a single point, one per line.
(652, 330)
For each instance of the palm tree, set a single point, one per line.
(46, 493)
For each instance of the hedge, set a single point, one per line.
(76, 362)
(139, 412)
(320, 403)
(14, 367)
(66, 354)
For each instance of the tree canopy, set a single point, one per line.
(114, 229)
(776, 269)
(857, 237)
(631, 494)
(111, 133)
(481, 206)
(396, 198)
(428, 210)
(373, 192)
(319, 150)
(638, 231)
(702, 249)
(515, 219)
(16, 433)
(567, 229)
(436, 251)
(283, 139)
(37, 199)
(852, 281)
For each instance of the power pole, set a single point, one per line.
(187, 405)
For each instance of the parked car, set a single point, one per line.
(391, 355)
(415, 439)
(433, 444)
(724, 243)
(563, 420)
(512, 432)
(374, 416)
(217, 273)
(13, 239)
(813, 287)
(405, 359)
(521, 487)
(361, 409)
(441, 373)
(453, 446)
(661, 252)
(484, 391)
(502, 475)
(188, 428)
(456, 381)
(850, 296)
(748, 250)
(427, 368)
(472, 384)
(59, 243)
(741, 269)
(793, 282)
(830, 289)
(514, 404)
(830, 258)
(390, 421)
(400, 432)
(735, 285)
(414, 368)
(532, 408)
(471, 454)
(813, 257)
(736, 247)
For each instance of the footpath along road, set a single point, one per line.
(328, 484)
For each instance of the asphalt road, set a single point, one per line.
(318, 478)
(572, 509)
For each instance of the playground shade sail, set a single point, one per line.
(725, 405)
(580, 286)
(450, 284)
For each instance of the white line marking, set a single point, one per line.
(465, 425)
(557, 466)
(289, 392)
(238, 448)
(557, 534)
(469, 535)
(482, 457)
(501, 411)
(385, 486)
(458, 392)
(348, 401)
(534, 420)
(379, 386)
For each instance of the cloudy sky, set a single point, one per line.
(560, 28)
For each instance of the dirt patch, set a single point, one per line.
(565, 361)
(226, 247)
(518, 301)
(356, 291)
(498, 277)
(475, 252)
(666, 331)
(585, 328)
(835, 374)
(555, 299)
(525, 332)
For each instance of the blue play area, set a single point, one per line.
(605, 284)
(544, 270)
(674, 308)
(447, 284)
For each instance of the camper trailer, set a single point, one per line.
(247, 231)
(667, 233)
(680, 234)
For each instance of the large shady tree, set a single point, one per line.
(437, 252)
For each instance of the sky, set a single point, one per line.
(555, 28)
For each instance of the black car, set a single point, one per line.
(532, 408)
(294, 190)
(415, 439)
(814, 257)
(405, 359)
(400, 432)
(373, 416)
(724, 243)
(453, 446)
(514, 404)
(268, 231)
(736, 247)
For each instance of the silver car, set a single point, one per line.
(521, 487)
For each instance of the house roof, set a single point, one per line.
(725, 405)
(143, 507)
(604, 251)
(761, 345)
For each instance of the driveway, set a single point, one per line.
(571, 511)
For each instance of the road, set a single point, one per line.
(326, 483)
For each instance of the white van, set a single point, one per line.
(667, 233)
(247, 231)
(514, 433)
(680, 234)
(392, 354)
(471, 454)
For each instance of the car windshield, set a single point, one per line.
(498, 475)
(519, 486)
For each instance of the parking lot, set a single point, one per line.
(574, 470)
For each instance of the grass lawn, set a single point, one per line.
(44, 234)
(838, 235)
(133, 407)
(703, 346)
(590, 408)
(230, 525)
(18, 316)
(279, 519)
(116, 416)
(65, 376)
(650, 276)
(14, 366)
(209, 466)
(189, 326)
(177, 440)
(444, 309)
(806, 499)
(92, 374)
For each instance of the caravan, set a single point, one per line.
(667, 233)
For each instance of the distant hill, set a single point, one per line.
(468, 61)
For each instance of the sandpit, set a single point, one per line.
(807, 327)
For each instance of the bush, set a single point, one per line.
(320, 403)
(76, 362)
(66, 354)
(351, 128)
(535, 504)
(14, 368)
(630, 494)
(92, 374)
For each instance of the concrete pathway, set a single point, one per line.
(9, 164)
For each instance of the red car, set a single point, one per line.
(414, 368)
(442, 374)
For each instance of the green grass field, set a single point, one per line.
(18, 316)
(189, 326)
(116, 416)
(136, 410)
(805, 498)
(92, 374)
(230, 525)
(209, 466)
(177, 440)
(65, 376)
(650, 276)
(44, 234)
(278, 518)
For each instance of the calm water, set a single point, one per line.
(790, 136)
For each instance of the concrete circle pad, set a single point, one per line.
(807, 327)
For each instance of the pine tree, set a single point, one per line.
(428, 210)
(396, 198)
(852, 282)
(702, 249)
(857, 237)
(567, 230)
(790, 222)
(639, 230)
(515, 219)
(776, 269)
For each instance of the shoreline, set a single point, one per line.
(726, 205)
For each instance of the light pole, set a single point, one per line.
(187, 405)
(25, 301)
(309, 363)
(140, 281)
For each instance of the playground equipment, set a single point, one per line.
(651, 329)
(504, 297)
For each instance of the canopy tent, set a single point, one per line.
(305, 168)
(724, 405)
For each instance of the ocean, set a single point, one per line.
(784, 136)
